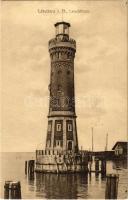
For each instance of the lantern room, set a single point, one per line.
(62, 29)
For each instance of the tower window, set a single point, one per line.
(60, 55)
(58, 143)
(59, 72)
(70, 145)
(68, 72)
(69, 127)
(58, 127)
(59, 87)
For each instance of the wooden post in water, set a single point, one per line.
(111, 186)
(97, 165)
(90, 167)
(26, 167)
(89, 163)
(103, 167)
(12, 190)
(31, 165)
(6, 190)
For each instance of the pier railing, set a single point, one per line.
(59, 152)
(55, 42)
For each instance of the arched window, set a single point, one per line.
(69, 145)
(69, 127)
(58, 127)
(59, 55)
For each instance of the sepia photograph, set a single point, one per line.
(64, 99)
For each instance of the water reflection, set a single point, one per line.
(74, 186)
(68, 186)
(30, 179)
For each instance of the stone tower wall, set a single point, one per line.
(62, 131)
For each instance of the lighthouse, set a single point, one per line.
(61, 153)
(62, 130)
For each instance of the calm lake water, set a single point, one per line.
(52, 186)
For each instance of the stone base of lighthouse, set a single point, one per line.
(49, 161)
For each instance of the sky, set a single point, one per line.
(100, 71)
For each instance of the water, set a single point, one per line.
(52, 186)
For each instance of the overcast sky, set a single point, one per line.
(100, 71)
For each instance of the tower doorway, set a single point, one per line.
(70, 145)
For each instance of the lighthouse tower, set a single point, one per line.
(62, 131)
(61, 154)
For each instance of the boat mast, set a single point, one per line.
(92, 140)
(106, 147)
